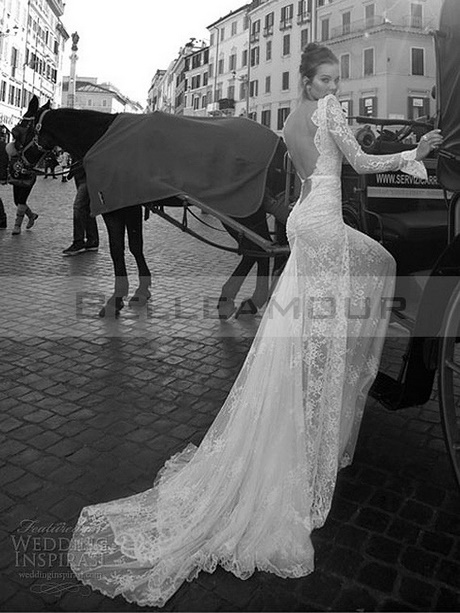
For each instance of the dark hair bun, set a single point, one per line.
(313, 55)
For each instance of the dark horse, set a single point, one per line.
(76, 131)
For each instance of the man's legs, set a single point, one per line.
(80, 222)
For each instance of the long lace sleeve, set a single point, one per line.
(365, 163)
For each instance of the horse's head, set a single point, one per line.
(26, 134)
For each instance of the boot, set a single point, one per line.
(20, 212)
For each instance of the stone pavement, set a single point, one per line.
(91, 408)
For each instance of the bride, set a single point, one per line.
(263, 477)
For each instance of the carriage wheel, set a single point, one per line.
(449, 380)
(351, 216)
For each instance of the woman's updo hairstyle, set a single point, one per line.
(313, 55)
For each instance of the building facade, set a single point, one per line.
(103, 97)
(32, 40)
(196, 71)
(385, 49)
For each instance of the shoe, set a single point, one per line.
(89, 247)
(31, 221)
(73, 250)
(16, 230)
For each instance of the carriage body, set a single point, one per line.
(418, 222)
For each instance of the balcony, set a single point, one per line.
(268, 31)
(226, 103)
(377, 21)
(57, 6)
(254, 37)
(285, 24)
(303, 18)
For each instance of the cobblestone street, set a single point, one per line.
(91, 408)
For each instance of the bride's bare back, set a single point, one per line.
(299, 135)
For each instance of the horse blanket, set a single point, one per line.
(222, 162)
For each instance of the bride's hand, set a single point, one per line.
(428, 142)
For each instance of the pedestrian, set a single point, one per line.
(3, 172)
(85, 232)
(50, 162)
(65, 161)
(22, 181)
(263, 477)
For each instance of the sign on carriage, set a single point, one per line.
(401, 185)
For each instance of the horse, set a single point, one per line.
(76, 131)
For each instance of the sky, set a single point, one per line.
(125, 42)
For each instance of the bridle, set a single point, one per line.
(33, 142)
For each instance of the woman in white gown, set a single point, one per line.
(264, 475)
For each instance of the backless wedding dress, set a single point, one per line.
(263, 477)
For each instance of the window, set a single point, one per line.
(220, 67)
(222, 34)
(286, 44)
(286, 15)
(211, 70)
(234, 28)
(368, 106)
(368, 62)
(14, 60)
(369, 15)
(347, 106)
(324, 29)
(255, 30)
(269, 21)
(3, 91)
(232, 62)
(345, 66)
(211, 39)
(418, 106)
(417, 61)
(268, 51)
(205, 78)
(90, 102)
(416, 15)
(265, 118)
(231, 92)
(285, 81)
(244, 60)
(104, 102)
(254, 88)
(196, 61)
(282, 116)
(255, 56)
(196, 103)
(246, 22)
(346, 22)
(243, 90)
(303, 38)
(218, 93)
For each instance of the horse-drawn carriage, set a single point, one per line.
(419, 223)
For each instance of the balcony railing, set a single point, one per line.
(303, 18)
(268, 31)
(254, 37)
(226, 103)
(377, 21)
(286, 23)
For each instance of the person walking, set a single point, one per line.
(85, 232)
(3, 172)
(264, 475)
(50, 164)
(23, 181)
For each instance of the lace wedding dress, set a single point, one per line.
(263, 477)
